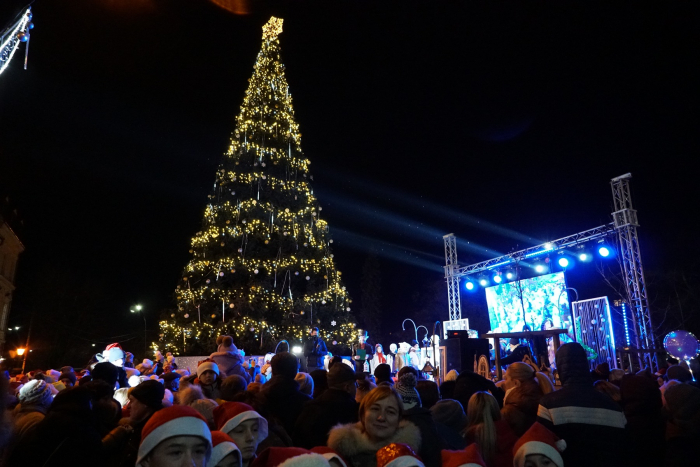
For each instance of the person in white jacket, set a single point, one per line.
(380, 357)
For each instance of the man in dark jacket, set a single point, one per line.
(314, 351)
(280, 397)
(590, 422)
(518, 352)
(336, 405)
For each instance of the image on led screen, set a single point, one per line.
(539, 296)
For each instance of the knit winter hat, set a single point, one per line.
(150, 393)
(231, 414)
(147, 363)
(470, 457)
(289, 457)
(398, 455)
(54, 374)
(538, 440)
(178, 420)
(223, 445)
(204, 366)
(450, 413)
(382, 372)
(330, 454)
(206, 408)
(306, 383)
(69, 376)
(35, 392)
(106, 372)
(406, 387)
(339, 375)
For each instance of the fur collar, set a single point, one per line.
(349, 440)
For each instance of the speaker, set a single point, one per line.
(460, 352)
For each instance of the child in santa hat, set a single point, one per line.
(244, 425)
(469, 457)
(224, 453)
(538, 447)
(176, 435)
(398, 455)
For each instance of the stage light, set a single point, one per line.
(497, 278)
(509, 275)
(539, 268)
(604, 251)
(584, 257)
(549, 246)
(563, 262)
(296, 350)
(484, 282)
(470, 285)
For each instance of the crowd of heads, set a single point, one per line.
(223, 413)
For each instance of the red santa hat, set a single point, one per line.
(470, 457)
(538, 440)
(330, 454)
(289, 457)
(398, 455)
(229, 415)
(178, 420)
(223, 445)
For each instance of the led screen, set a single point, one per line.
(542, 298)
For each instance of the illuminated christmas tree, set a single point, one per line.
(261, 268)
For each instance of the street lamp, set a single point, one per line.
(20, 352)
(136, 309)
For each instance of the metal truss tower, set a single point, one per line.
(451, 277)
(625, 221)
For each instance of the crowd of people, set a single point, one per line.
(227, 413)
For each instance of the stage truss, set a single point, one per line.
(623, 230)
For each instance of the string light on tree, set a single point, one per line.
(262, 224)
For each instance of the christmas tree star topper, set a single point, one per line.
(273, 28)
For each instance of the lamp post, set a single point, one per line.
(138, 309)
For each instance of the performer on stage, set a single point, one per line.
(314, 351)
(518, 351)
(362, 353)
(380, 357)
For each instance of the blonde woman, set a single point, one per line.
(381, 423)
(486, 428)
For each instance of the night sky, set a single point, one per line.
(500, 121)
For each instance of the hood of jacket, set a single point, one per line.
(232, 356)
(572, 363)
(350, 441)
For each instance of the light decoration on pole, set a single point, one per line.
(13, 36)
(261, 267)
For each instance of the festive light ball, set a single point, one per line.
(347, 309)
(208, 281)
(231, 305)
(330, 241)
(335, 343)
(681, 344)
(213, 315)
(187, 315)
(256, 271)
(172, 315)
(296, 273)
(240, 250)
(323, 302)
(308, 278)
(221, 274)
(233, 270)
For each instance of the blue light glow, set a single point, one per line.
(583, 257)
(497, 279)
(604, 251)
(539, 268)
(509, 275)
(624, 321)
(470, 285)
(563, 262)
(483, 282)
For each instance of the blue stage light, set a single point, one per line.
(563, 262)
(497, 279)
(509, 275)
(584, 257)
(539, 268)
(470, 285)
(484, 282)
(604, 251)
